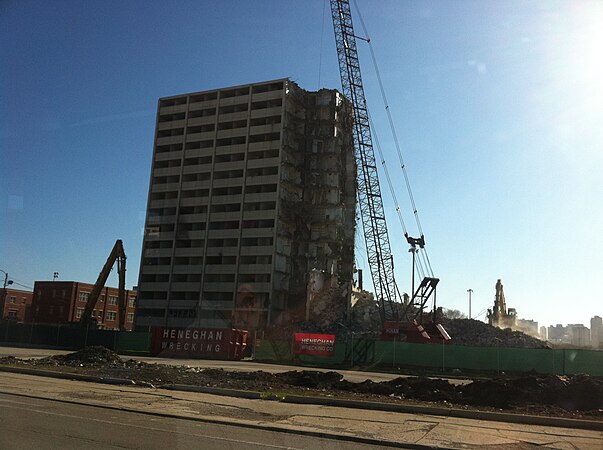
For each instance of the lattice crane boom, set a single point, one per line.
(369, 193)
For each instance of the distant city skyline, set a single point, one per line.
(497, 106)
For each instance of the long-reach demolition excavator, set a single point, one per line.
(406, 321)
(117, 255)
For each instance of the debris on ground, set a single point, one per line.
(534, 393)
(96, 355)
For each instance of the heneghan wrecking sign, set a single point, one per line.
(314, 344)
(208, 343)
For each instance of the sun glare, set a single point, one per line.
(574, 69)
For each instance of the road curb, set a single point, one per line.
(213, 390)
(452, 412)
(240, 423)
(341, 403)
(69, 376)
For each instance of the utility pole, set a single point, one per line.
(470, 292)
(7, 282)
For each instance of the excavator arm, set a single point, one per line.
(117, 255)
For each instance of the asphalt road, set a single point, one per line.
(37, 423)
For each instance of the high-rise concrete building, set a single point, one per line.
(596, 332)
(579, 335)
(252, 188)
(558, 334)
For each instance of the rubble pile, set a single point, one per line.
(96, 355)
(328, 307)
(549, 394)
(480, 334)
(578, 392)
(365, 312)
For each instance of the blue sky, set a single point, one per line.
(498, 106)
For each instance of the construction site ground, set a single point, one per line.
(335, 424)
(574, 397)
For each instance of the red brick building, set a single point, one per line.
(64, 302)
(17, 304)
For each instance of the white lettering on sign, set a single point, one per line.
(306, 341)
(205, 341)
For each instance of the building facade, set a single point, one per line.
(528, 326)
(251, 188)
(558, 334)
(596, 332)
(579, 335)
(64, 302)
(17, 304)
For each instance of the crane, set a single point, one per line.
(117, 255)
(372, 212)
(369, 193)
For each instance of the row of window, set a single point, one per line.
(210, 110)
(218, 174)
(210, 260)
(215, 208)
(202, 226)
(113, 299)
(207, 296)
(109, 315)
(223, 126)
(209, 278)
(222, 175)
(222, 142)
(226, 93)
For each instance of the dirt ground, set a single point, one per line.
(567, 396)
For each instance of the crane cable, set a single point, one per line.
(418, 263)
(386, 171)
(424, 254)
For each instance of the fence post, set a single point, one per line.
(563, 373)
(255, 343)
(58, 332)
(443, 357)
(352, 354)
(394, 359)
(86, 337)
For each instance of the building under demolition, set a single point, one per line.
(253, 188)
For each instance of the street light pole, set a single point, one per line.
(470, 292)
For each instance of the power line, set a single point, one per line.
(22, 285)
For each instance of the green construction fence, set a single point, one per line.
(445, 358)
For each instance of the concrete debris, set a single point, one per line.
(365, 312)
(475, 333)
